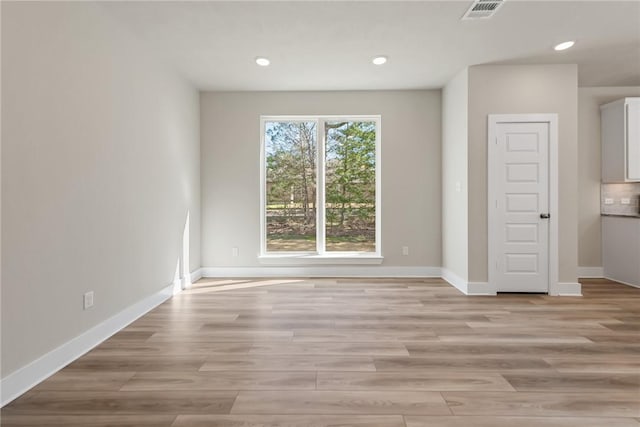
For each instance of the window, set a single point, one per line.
(320, 186)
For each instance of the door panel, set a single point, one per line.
(522, 233)
(521, 263)
(521, 203)
(519, 237)
(522, 172)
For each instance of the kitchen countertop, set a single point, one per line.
(621, 215)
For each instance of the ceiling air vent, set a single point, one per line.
(482, 9)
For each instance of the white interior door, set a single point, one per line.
(519, 208)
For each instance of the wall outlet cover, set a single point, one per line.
(88, 300)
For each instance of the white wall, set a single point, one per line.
(411, 169)
(455, 209)
(589, 154)
(100, 165)
(503, 89)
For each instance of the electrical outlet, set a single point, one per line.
(625, 201)
(458, 186)
(235, 251)
(608, 201)
(88, 300)
(405, 250)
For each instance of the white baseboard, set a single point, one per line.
(567, 289)
(196, 275)
(321, 271)
(484, 288)
(624, 283)
(467, 288)
(481, 288)
(20, 381)
(454, 280)
(590, 272)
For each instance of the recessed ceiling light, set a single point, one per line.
(564, 45)
(263, 62)
(379, 60)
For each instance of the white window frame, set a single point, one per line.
(320, 256)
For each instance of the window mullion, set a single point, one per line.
(320, 196)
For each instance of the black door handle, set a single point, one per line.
(545, 216)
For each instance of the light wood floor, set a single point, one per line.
(366, 353)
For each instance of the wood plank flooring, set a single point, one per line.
(365, 353)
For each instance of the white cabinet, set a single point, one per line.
(621, 249)
(620, 123)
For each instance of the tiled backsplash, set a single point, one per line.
(618, 192)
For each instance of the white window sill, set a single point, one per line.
(342, 258)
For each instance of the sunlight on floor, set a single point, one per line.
(217, 285)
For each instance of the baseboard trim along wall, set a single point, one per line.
(590, 272)
(623, 282)
(467, 288)
(484, 288)
(481, 288)
(196, 275)
(464, 286)
(454, 280)
(567, 289)
(20, 381)
(320, 271)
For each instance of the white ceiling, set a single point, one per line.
(328, 45)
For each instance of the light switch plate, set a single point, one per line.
(88, 300)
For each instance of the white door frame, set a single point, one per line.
(494, 173)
